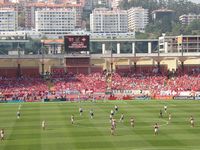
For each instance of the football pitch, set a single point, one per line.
(94, 134)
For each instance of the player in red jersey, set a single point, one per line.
(112, 130)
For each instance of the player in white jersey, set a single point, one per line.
(80, 111)
(116, 108)
(121, 118)
(91, 114)
(156, 128)
(192, 121)
(2, 134)
(112, 112)
(165, 108)
(132, 122)
(43, 124)
(111, 117)
(18, 114)
(72, 119)
(170, 117)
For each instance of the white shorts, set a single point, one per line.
(170, 118)
(155, 130)
(2, 135)
(192, 122)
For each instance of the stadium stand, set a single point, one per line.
(27, 89)
(125, 86)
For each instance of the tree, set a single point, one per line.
(177, 29)
(194, 25)
(179, 6)
(167, 25)
(124, 4)
(139, 35)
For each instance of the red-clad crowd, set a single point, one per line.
(96, 85)
(27, 89)
(95, 82)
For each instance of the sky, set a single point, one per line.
(196, 1)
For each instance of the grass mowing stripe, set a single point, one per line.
(24, 127)
(187, 131)
(95, 134)
(126, 124)
(167, 136)
(122, 143)
(95, 131)
(8, 125)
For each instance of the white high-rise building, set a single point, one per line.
(115, 3)
(105, 21)
(58, 21)
(187, 19)
(137, 19)
(31, 8)
(8, 19)
(102, 3)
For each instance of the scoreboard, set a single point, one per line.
(76, 43)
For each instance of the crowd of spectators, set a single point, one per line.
(96, 85)
(27, 89)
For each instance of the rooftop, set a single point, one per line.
(39, 4)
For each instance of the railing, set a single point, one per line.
(128, 55)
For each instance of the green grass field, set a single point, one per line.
(93, 134)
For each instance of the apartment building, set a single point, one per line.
(31, 8)
(137, 19)
(8, 19)
(57, 21)
(104, 20)
(115, 3)
(187, 19)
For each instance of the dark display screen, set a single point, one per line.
(74, 43)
